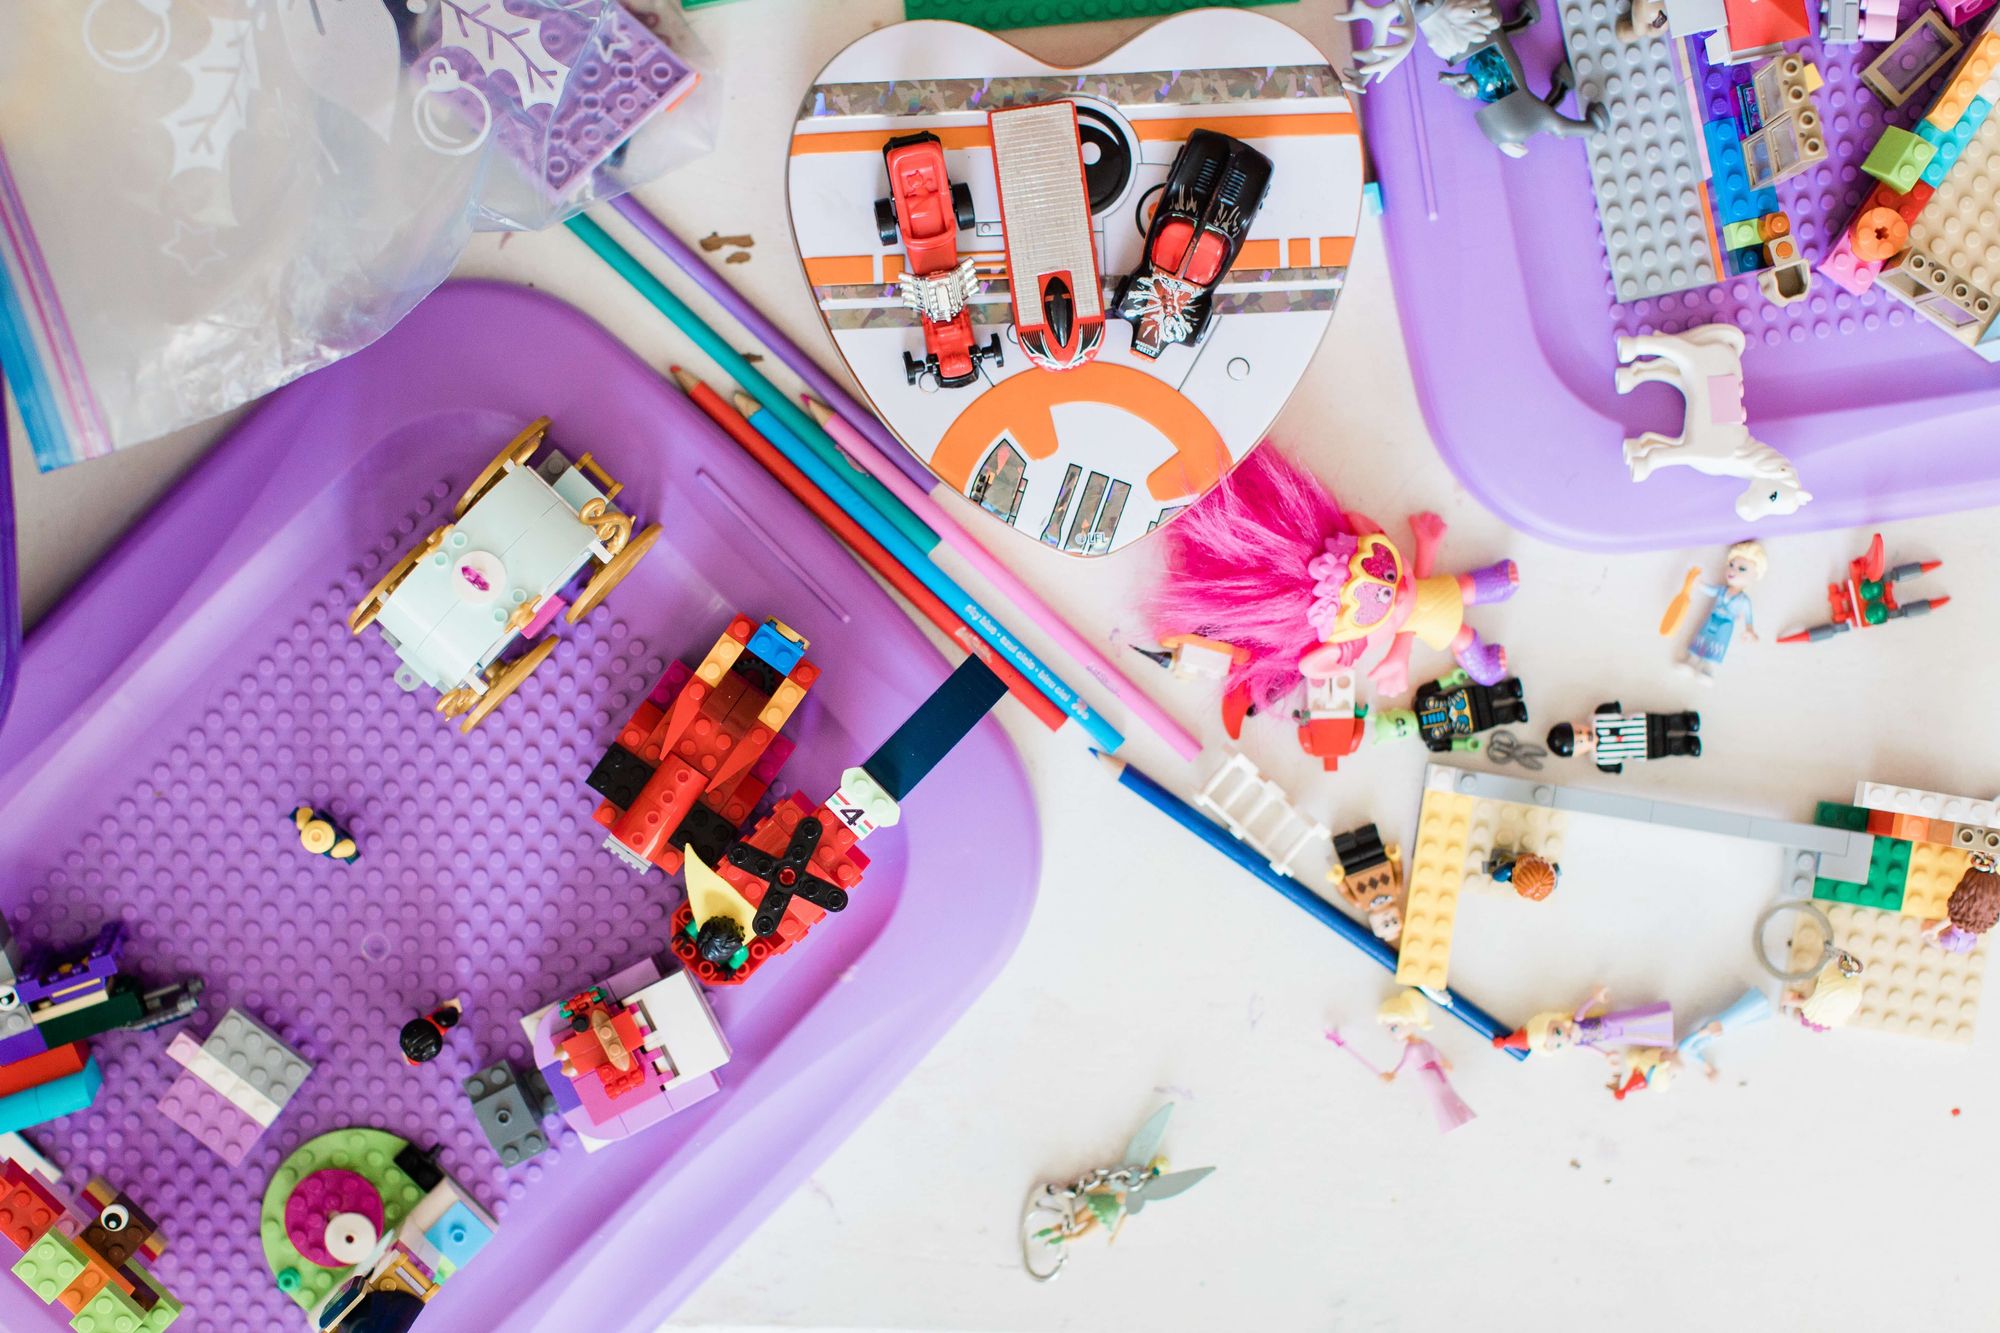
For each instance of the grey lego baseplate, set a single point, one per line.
(255, 1054)
(1803, 838)
(1644, 166)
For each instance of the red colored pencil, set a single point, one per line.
(866, 548)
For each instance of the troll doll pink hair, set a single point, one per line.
(1236, 569)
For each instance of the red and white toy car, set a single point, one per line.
(925, 210)
(1051, 251)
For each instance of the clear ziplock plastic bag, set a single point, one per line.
(201, 200)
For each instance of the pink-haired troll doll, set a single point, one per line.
(1269, 562)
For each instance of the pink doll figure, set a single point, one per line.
(1607, 1033)
(1406, 1015)
(1270, 563)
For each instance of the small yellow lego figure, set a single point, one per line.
(320, 835)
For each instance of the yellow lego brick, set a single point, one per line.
(1908, 984)
(1436, 869)
(720, 658)
(1964, 85)
(783, 701)
(1934, 873)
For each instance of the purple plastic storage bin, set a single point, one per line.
(202, 680)
(1508, 315)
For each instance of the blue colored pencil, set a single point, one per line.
(1341, 924)
(911, 557)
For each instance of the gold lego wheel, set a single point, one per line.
(505, 680)
(515, 453)
(370, 606)
(611, 573)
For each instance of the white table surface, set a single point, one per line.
(1843, 1181)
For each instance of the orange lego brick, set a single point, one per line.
(1965, 82)
(83, 1288)
(1910, 828)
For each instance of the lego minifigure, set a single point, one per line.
(1532, 877)
(1406, 1014)
(1606, 1033)
(1971, 911)
(1833, 998)
(1613, 737)
(1371, 877)
(1637, 1068)
(1753, 1006)
(1745, 565)
(322, 836)
(422, 1039)
(1450, 711)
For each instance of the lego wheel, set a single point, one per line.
(612, 573)
(507, 677)
(514, 454)
(885, 222)
(961, 206)
(369, 607)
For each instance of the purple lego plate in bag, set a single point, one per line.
(203, 681)
(1507, 312)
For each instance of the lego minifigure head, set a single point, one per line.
(1405, 1013)
(1395, 724)
(1383, 918)
(316, 832)
(1744, 565)
(718, 941)
(1974, 906)
(1562, 740)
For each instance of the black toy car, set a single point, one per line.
(1210, 198)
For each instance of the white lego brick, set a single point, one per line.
(1929, 804)
(680, 1024)
(256, 1055)
(17, 1149)
(219, 1076)
(427, 1210)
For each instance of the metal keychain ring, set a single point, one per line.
(1827, 951)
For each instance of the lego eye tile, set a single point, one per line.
(205, 682)
(1515, 277)
(1102, 297)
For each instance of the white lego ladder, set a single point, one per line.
(1256, 810)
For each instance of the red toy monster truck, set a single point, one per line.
(926, 211)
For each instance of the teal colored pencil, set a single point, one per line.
(661, 298)
(1339, 922)
(834, 481)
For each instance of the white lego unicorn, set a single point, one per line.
(1706, 365)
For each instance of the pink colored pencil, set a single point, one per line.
(928, 511)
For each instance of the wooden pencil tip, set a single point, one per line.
(1112, 762)
(817, 410)
(746, 404)
(684, 378)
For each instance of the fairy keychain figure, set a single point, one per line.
(1103, 1198)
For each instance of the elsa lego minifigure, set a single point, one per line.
(1744, 565)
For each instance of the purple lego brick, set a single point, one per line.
(22, 1045)
(204, 675)
(223, 1127)
(1884, 416)
(66, 976)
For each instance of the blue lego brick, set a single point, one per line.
(776, 649)
(1729, 189)
(1371, 195)
(1950, 143)
(1747, 261)
(458, 1235)
(36, 1106)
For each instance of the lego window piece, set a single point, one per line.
(1907, 63)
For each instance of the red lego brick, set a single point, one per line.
(1755, 23)
(1881, 824)
(27, 1208)
(45, 1067)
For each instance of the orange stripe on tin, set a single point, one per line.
(1335, 251)
(840, 270)
(1248, 127)
(871, 141)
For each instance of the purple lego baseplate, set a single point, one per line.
(203, 680)
(1506, 302)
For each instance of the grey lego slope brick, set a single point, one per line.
(1694, 818)
(1840, 22)
(1644, 166)
(1850, 866)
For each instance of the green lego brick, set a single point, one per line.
(1888, 871)
(50, 1265)
(1742, 235)
(1044, 13)
(165, 1310)
(1899, 158)
(369, 1153)
(1832, 814)
(109, 1311)
(121, 1007)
